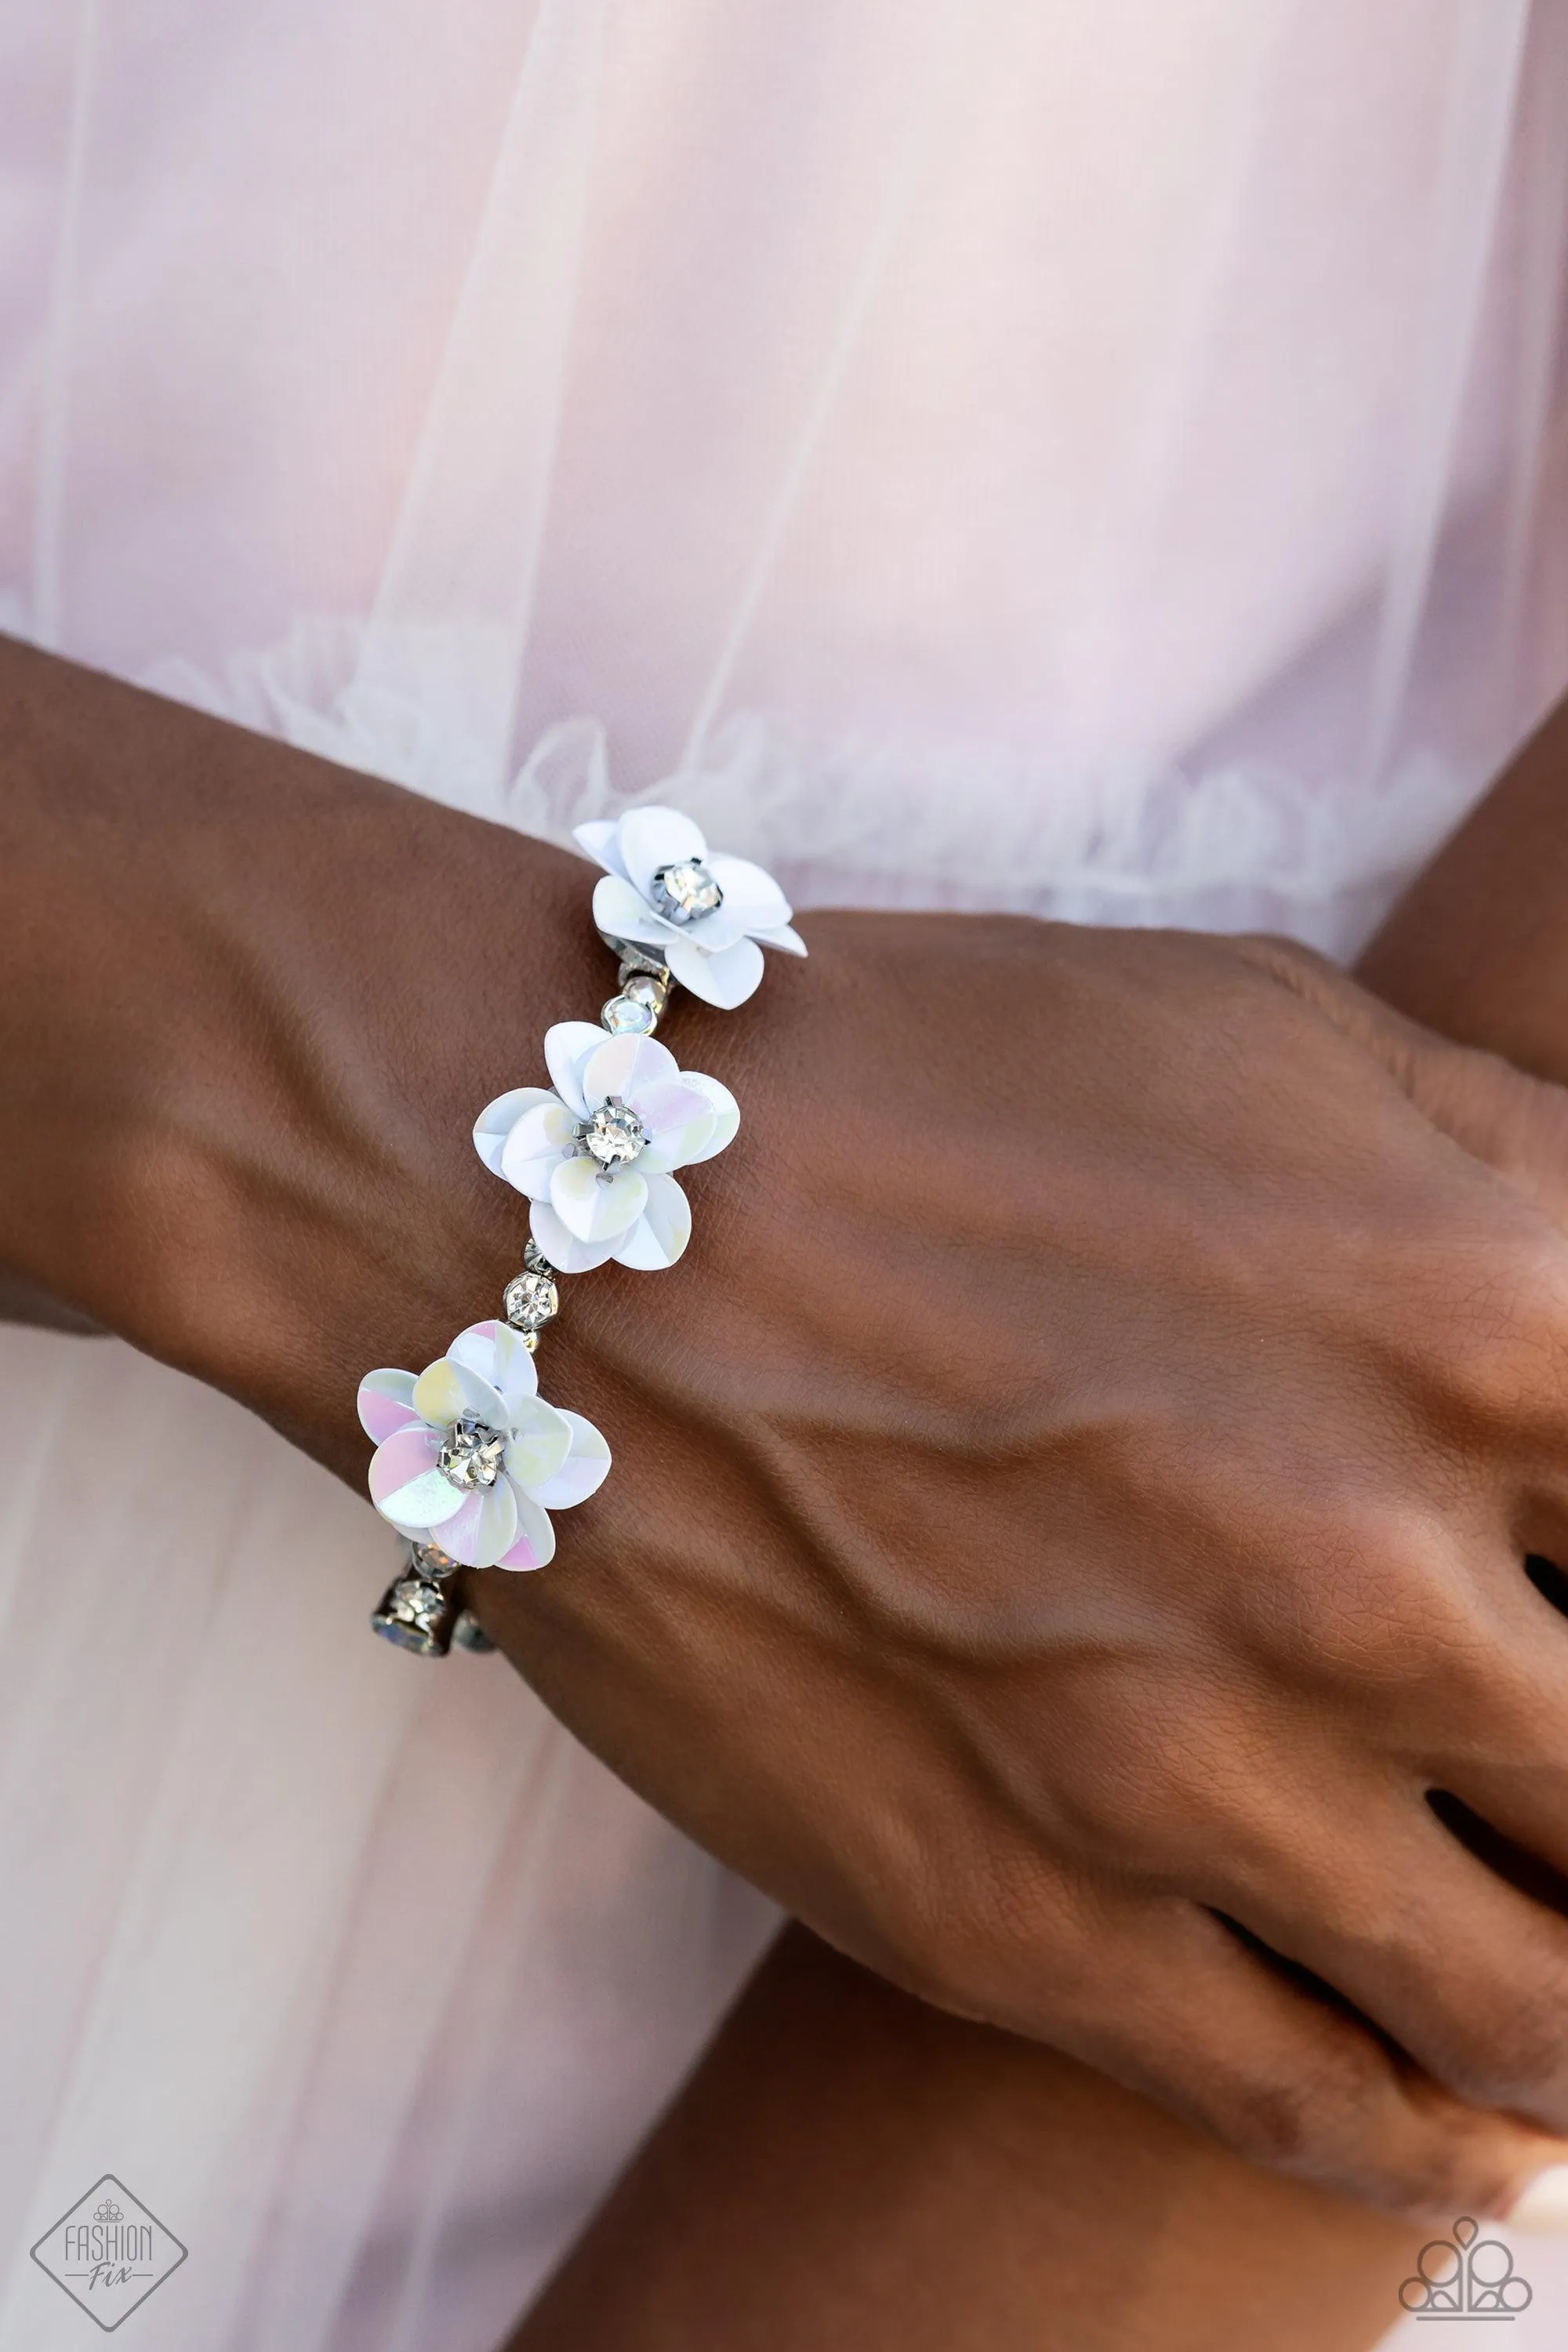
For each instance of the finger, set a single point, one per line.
(1467, 1974)
(1498, 1775)
(1496, 1771)
(1175, 2006)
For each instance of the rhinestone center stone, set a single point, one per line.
(471, 1454)
(685, 890)
(530, 1300)
(614, 1136)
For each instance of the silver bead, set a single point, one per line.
(531, 1299)
(429, 1562)
(418, 1615)
(636, 1011)
(624, 1016)
(467, 1633)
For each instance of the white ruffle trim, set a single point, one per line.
(887, 822)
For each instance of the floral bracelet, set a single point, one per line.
(469, 1459)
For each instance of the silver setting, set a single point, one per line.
(471, 1454)
(685, 891)
(415, 1615)
(613, 1135)
(634, 958)
(467, 1633)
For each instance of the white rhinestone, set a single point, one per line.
(614, 1136)
(413, 1616)
(531, 1300)
(417, 1602)
(429, 1562)
(471, 1453)
(625, 1017)
(685, 890)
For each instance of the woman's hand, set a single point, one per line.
(1070, 1501)
(1073, 1498)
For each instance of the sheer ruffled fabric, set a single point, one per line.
(1086, 458)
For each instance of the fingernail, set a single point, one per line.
(1544, 2204)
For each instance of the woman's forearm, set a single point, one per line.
(851, 2171)
(1477, 948)
(196, 1100)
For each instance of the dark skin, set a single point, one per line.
(850, 2171)
(1073, 1492)
(849, 2168)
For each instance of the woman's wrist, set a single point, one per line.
(1478, 947)
(241, 1083)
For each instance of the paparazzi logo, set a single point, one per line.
(108, 2252)
(1466, 2277)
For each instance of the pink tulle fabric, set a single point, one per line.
(1091, 458)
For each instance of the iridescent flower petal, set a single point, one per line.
(620, 911)
(716, 931)
(652, 837)
(497, 1118)
(583, 1470)
(618, 1065)
(594, 1208)
(458, 1533)
(600, 838)
(567, 1046)
(535, 1542)
(663, 1230)
(726, 1114)
(538, 1444)
(542, 1137)
(497, 1530)
(566, 1254)
(496, 1353)
(425, 1502)
(749, 892)
(677, 1120)
(725, 979)
(386, 1404)
(447, 1390)
(404, 1484)
(784, 937)
(515, 1374)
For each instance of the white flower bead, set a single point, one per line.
(703, 912)
(596, 1153)
(469, 1455)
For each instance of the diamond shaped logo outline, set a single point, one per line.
(109, 2181)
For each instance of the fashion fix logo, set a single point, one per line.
(108, 2252)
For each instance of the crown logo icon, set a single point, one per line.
(108, 2212)
(1466, 2277)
